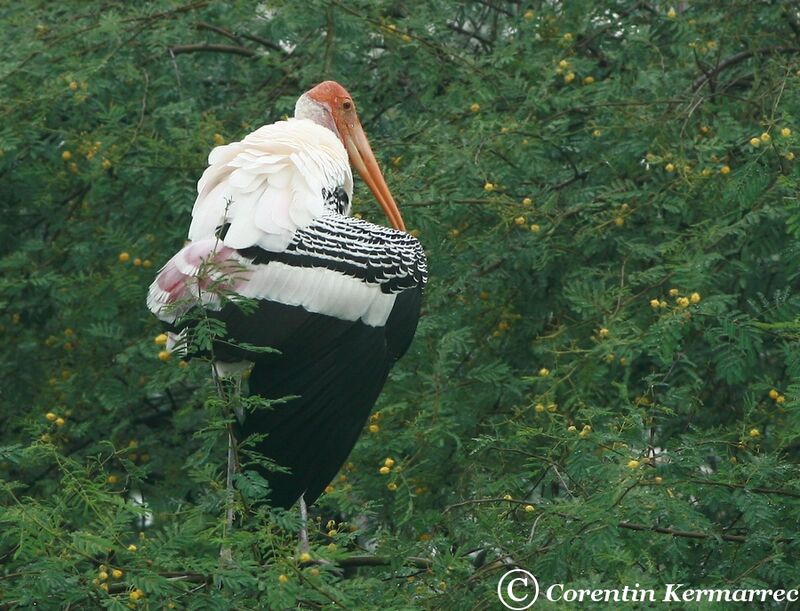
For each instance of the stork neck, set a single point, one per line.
(308, 108)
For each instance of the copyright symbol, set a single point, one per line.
(518, 589)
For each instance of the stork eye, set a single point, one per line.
(347, 105)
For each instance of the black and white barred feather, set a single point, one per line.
(392, 259)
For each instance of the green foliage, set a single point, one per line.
(611, 242)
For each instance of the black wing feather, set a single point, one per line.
(313, 434)
(338, 375)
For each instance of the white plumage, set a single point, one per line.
(320, 290)
(269, 184)
(323, 291)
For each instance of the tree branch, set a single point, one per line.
(737, 59)
(263, 41)
(238, 36)
(565, 183)
(212, 48)
(688, 534)
(202, 25)
(484, 41)
(354, 561)
(441, 202)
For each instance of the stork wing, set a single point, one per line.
(337, 374)
(341, 304)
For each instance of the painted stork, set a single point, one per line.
(337, 296)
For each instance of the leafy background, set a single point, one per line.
(604, 385)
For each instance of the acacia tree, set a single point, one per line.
(604, 385)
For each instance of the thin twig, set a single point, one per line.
(484, 41)
(336, 602)
(569, 181)
(122, 586)
(621, 287)
(746, 488)
(444, 201)
(561, 479)
(354, 561)
(533, 528)
(482, 501)
(624, 494)
(177, 72)
(175, 11)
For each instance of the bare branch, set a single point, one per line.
(202, 25)
(263, 41)
(238, 36)
(352, 561)
(565, 183)
(484, 41)
(737, 59)
(212, 48)
(688, 534)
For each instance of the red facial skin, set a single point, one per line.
(335, 98)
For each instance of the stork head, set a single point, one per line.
(328, 104)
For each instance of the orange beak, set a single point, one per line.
(363, 160)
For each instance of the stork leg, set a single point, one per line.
(226, 553)
(232, 378)
(304, 546)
